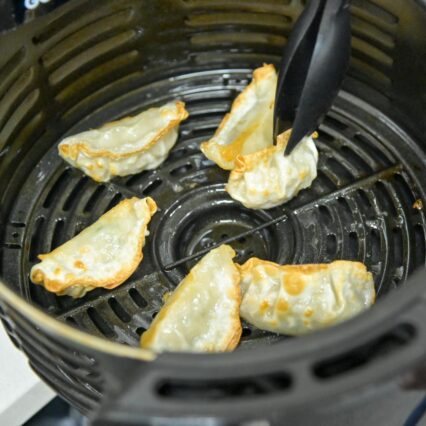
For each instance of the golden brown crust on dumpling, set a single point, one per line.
(245, 163)
(72, 150)
(73, 282)
(224, 154)
(308, 268)
(297, 299)
(216, 325)
(266, 178)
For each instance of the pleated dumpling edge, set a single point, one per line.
(203, 312)
(298, 299)
(267, 178)
(247, 127)
(104, 254)
(126, 146)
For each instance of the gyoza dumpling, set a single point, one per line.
(103, 255)
(248, 127)
(298, 299)
(126, 146)
(267, 178)
(203, 313)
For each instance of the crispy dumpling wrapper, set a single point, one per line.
(298, 299)
(127, 146)
(267, 178)
(202, 314)
(104, 254)
(248, 127)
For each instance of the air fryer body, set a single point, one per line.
(69, 66)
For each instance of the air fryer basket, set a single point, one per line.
(89, 62)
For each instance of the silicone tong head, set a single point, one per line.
(314, 64)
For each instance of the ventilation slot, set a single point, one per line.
(137, 179)
(367, 208)
(19, 119)
(325, 216)
(94, 199)
(325, 180)
(398, 247)
(353, 245)
(385, 199)
(225, 389)
(98, 51)
(366, 51)
(366, 73)
(57, 28)
(374, 13)
(92, 85)
(324, 136)
(176, 154)
(181, 170)
(340, 171)
(58, 236)
(36, 244)
(152, 186)
(115, 200)
(100, 323)
(378, 348)
(223, 38)
(246, 332)
(137, 298)
(71, 321)
(212, 19)
(11, 70)
(404, 190)
(419, 252)
(79, 188)
(119, 310)
(331, 244)
(17, 224)
(355, 159)
(140, 331)
(102, 92)
(265, 6)
(371, 34)
(15, 95)
(344, 205)
(11, 246)
(57, 189)
(335, 123)
(375, 246)
(85, 37)
(373, 147)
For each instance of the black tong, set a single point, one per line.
(314, 63)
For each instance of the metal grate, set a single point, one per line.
(359, 207)
(78, 70)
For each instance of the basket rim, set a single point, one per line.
(387, 313)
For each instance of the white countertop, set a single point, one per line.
(22, 393)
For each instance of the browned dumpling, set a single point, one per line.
(202, 314)
(103, 255)
(126, 146)
(248, 127)
(267, 178)
(298, 299)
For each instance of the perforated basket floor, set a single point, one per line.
(362, 206)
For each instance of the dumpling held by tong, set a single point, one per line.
(267, 178)
(248, 127)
